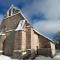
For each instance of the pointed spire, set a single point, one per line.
(12, 6)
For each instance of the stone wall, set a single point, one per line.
(11, 22)
(23, 47)
(2, 38)
(53, 50)
(34, 40)
(44, 42)
(8, 44)
(28, 38)
(17, 44)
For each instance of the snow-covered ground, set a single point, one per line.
(2, 57)
(57, 57)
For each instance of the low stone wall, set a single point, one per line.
(44, 51)
(33, 54)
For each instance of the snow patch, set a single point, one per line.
(57, 56)
(20, 25)
(3, 57)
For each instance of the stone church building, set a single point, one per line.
(18, 38)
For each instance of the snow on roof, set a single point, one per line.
(20, 25)
(43, 35)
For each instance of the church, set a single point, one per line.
(19, 39)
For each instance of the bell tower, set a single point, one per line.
(12, 10)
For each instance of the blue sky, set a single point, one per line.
(44, 15)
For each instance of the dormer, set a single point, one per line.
(12, 10)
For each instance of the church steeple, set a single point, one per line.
(12, 10)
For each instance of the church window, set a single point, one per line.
(13, 11)
(9, 12)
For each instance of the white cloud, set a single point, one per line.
(50, 8)
(53, 10)
(48, 26)
(36, 7)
